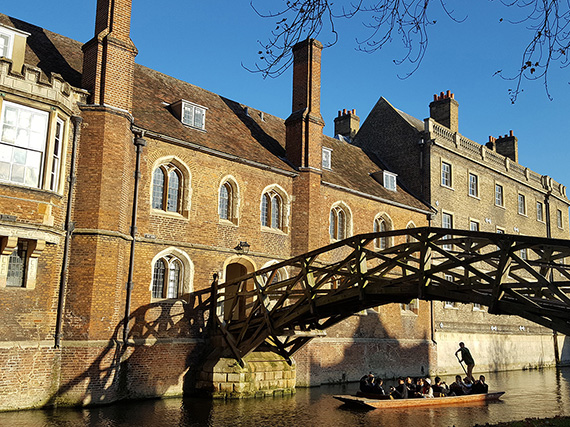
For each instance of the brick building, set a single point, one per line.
(479, 187)
(122, 190)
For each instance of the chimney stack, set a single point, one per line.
(346, 124)
(304, 127)
(508, 146)
(109, 57)
(445, 110)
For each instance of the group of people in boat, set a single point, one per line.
(424, 388)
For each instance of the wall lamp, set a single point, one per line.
(243, 247)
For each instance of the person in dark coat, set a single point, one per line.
(377, 386)
(400, 391)
(480, 386)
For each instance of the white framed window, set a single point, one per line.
(499, 197)
(23, 136)
(477, 307)
(327, 158)
(473, 185)
(56, 155)
(446, 174)
(473, 225)
(522, 204)
(193, 115)
(539, 212)
(6, 42)
(559, 218)
(447, 222)
(524, 254)
(389, 179)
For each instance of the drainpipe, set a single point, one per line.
(140, 142)
(69, 227)
(549, 235)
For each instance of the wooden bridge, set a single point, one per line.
(511, 274)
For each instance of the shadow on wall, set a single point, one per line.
(370, 349)
(565, 352)
(144, 367)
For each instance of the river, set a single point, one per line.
(536, 393)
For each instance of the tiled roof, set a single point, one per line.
(352, 168)
(229, 128)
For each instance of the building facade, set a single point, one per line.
(479, 187)
(122, 192)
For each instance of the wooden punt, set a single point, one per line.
(370, 403)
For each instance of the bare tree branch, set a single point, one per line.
(548, 22)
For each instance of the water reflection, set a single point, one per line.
(544, 393)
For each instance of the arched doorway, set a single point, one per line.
(234, 270)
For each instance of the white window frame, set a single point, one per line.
(327, 158)
(10, 36)
(389, 180)
(446, 175)
(499, 195)
(521, 204)
(539, 211)
(559, 220)
(43, 151)
(473, 186)
(187, 105)
(474, 223)
(444, 224)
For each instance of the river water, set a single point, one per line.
(537, 393)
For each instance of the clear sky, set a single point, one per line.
(206, 42)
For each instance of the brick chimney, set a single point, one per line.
(304, 127)
(445, 110)
(109, 57)
(508, 146)
(347, 124)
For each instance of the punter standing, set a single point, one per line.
(467, 359)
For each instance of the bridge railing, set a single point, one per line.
(527, 276)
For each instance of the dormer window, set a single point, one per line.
(327, 162)
(190, 114)
(6, 42)
(389, 180)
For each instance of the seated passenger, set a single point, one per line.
(439, 388)
(426, 389)
(457, 388)
(480, 386)
(467, 385)
(367, 383)
(377, 386)
(400, 391)
(411, 385)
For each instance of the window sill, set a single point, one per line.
(228, 222)
(266, 229)
(448, 187)
(523, 214)
(500, 206)
(474, 197)
(160, 212)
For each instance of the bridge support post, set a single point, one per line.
(264, 374)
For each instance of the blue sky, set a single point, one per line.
(206, 42)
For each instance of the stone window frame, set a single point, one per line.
(499, 194)
(47, 170)
(268, 194)
(170, 164)
(337, 208)
(476, 222)
(446, 177)
(231, 216)
(410, 239)
(521, 205)
(379, 219)
(470, 187)
(186, 278)
(413, 307)
(449, 304)
(32, 250)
